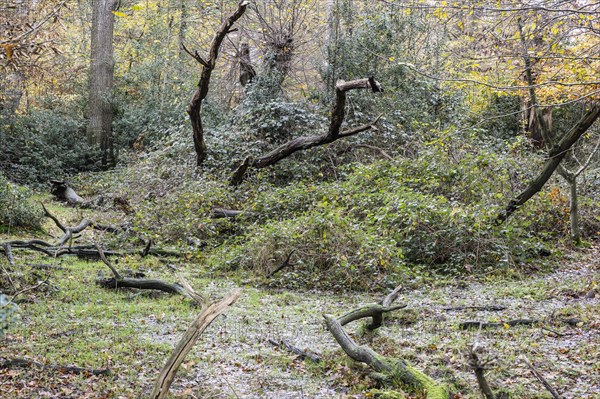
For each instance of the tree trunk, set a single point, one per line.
(99, 130)
(195, 106)
(555, 155)
(571, 180)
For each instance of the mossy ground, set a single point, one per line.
(71, 321)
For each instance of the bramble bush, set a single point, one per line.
(15, 208)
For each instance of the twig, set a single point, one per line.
(479, 369)
(65, 369)
(285, 263)
(107, 263)
(291, 348)
(24, 290)
(541, 379)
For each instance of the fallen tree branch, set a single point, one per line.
(118, 281)
(374, 311)
(8, 252)
(284, 264)
(291, 348)
(8, 363)
(541, 379)
(512, 323)
(489, 308)
(479, 368)
(396, 369)
(303, 143)
(83, 251)
(208, 314)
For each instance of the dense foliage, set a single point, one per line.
(16, 210)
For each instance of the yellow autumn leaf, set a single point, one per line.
(120, 14)
(506, 326)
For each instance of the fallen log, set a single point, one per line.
(390, 368)
(512, 323)
(489, 308)
(118, 281)
(63, 192)
(208, 314)
(9, 363)
(295, 350)
(8, 253)
(142, 284)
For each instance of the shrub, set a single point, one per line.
(15, 208)
(331, 250)
(45, 145)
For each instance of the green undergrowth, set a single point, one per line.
(435, 213)
(16, 208)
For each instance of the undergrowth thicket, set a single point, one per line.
(431, 213)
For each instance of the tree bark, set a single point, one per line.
(99, 130)
(306, 142)
(208, 65)
(555, 155)
(394, 368)
(167, 374)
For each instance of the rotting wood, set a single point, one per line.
(488, 308)
(86, 251)
(305, 142)
(8, 253)
(63, 192)
(9, 363)
(208, 314)
(291, 348)
(118, 281)
(395, 369)
(512, 323)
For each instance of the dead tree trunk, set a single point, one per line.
(389, 367)
(62, 192)
(555, 155)
(306, 142)
(208, 65)
(167, 374)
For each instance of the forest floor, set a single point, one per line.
(69, 320)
